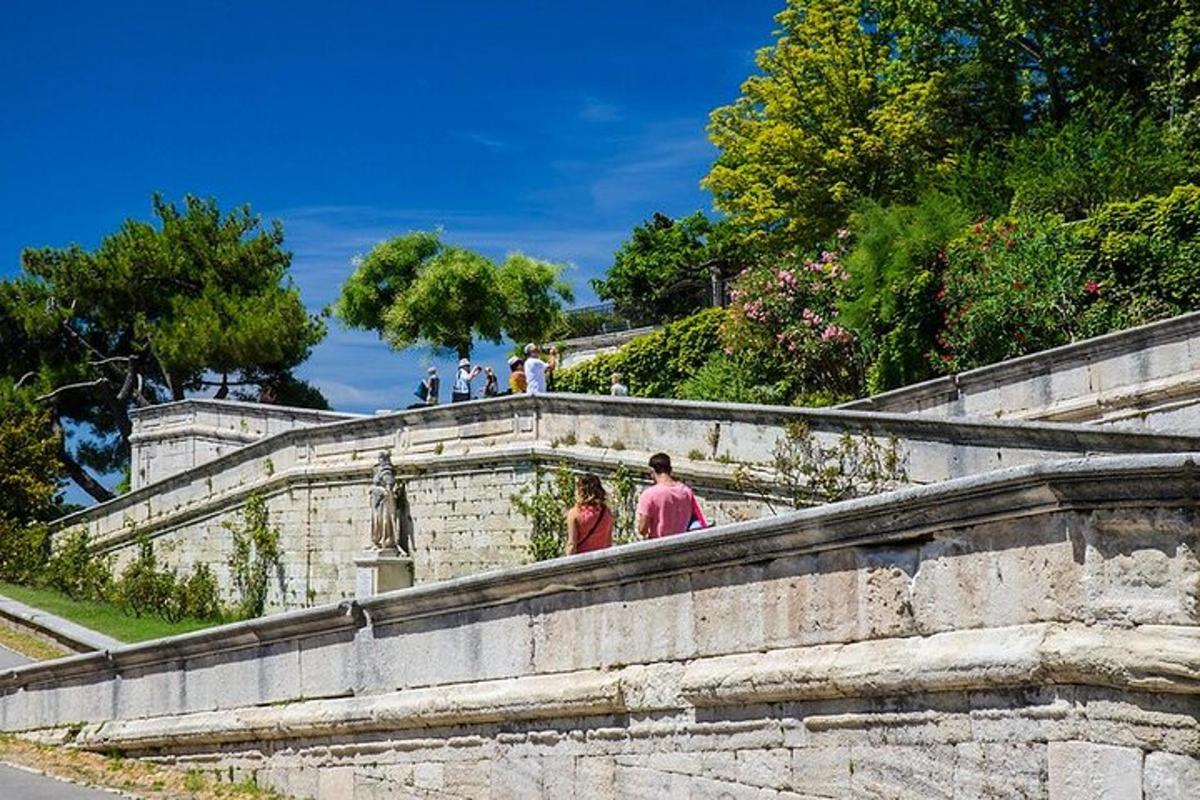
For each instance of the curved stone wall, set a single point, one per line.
(1144, 377)
(462, 463)
(1031, 632)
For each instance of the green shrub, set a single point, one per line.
(144, 589)
(895, 270)
(1102, 154)
(654, 365)
(198, 596)
(76, 571)
(1021, 285)
(23, 551)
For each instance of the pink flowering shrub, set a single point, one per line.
(783, 317)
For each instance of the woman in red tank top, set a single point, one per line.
(589, 522)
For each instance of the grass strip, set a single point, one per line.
(105, 618)
(29, 645)
(143, 779)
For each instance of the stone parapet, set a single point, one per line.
(461, 464)
(1009, 634)
(1144, 377)
(170, 438)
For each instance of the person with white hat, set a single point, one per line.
(461, 391)
(535, 370)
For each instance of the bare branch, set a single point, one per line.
(24, 378)
(71, 387)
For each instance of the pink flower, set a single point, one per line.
(835, 333)
(1092, 287)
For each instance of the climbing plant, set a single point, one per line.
(255, 556)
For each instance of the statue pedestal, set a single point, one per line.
(382, 571)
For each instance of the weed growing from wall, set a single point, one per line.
(812, 473)
(255, 556)
(544, 501)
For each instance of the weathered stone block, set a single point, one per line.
(1101, 772)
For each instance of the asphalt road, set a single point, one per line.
(17, 784)
(9, 659)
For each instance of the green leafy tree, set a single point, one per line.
(1013, 64)
(830, 119)
(414, 289)
(203, 299)
(895, 269)
(664, 270)
(30, 477)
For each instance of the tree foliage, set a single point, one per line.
(664, 270)
(829, 119)
(873, 99)
(202, 299)
(415, 289)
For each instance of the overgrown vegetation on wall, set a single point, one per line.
(145, 586)
(546, 499)
(802, 468)
(255, 557)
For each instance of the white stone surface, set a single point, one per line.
(1094, 771)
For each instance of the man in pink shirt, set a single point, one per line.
(668, 507)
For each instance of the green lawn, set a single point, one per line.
(102, 617)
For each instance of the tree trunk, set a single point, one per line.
(76, 471)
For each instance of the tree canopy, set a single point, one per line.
(875, 99)
(414, 289)
(202, 299)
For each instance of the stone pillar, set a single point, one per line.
(381, 571)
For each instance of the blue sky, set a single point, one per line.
(547, 127)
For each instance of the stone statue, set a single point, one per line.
(384, 520)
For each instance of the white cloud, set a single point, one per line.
(595, 110)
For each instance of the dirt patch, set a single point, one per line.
(134, 778)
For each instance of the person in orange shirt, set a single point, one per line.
(589, 522)
(516, 375)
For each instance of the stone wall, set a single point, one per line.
(462, 463)
(585, 348)
(174, 437)
(1145, 377)
(1032, 632)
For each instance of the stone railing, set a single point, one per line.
(1147, 376)
(462, 464)
(174, 437)
(1030, 632)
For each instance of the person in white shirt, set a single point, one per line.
(536, 370)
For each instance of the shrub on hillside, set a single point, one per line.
(1020, 285)
(895, 270)
(654, 365)
(782, 319)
